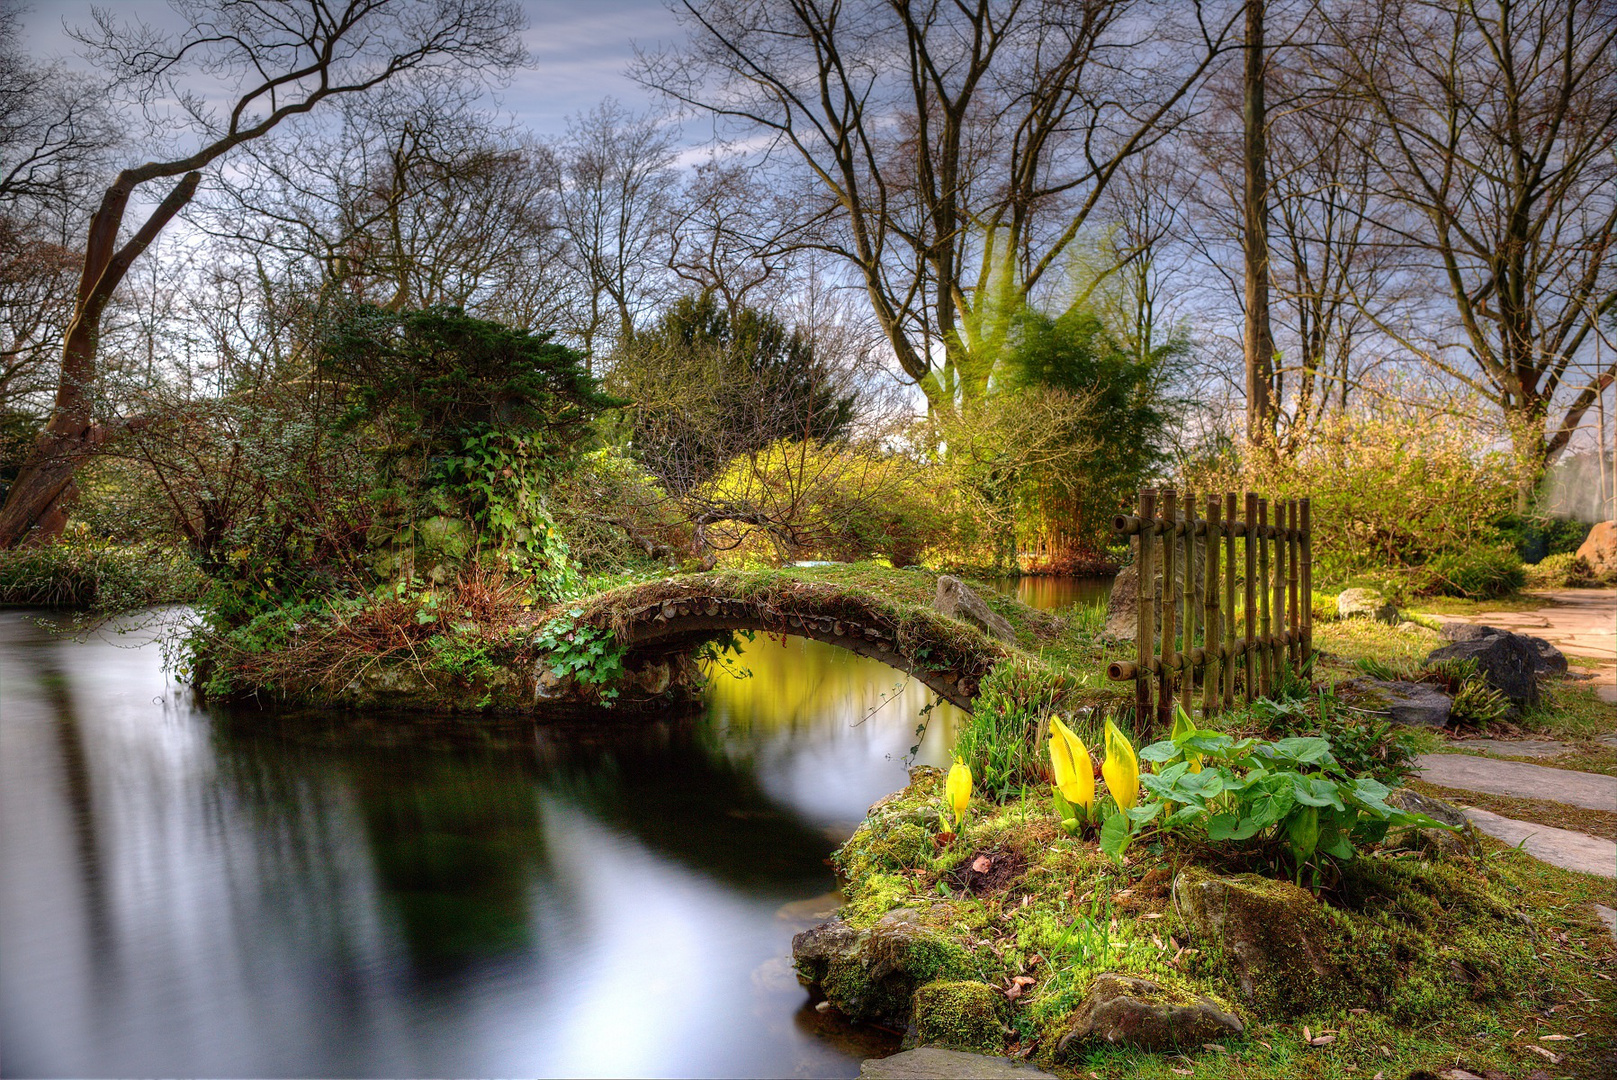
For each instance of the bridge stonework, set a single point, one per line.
(949, 662)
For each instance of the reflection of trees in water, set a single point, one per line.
(800, 688)
(454, 836)
(662, 785)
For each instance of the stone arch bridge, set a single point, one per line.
(948, 645)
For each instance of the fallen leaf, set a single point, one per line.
(1307, 1035)
(1358, 1012)
(1555, 1038)
(1215, 1047)
(1459, 1074)
(980, 864)
(1181, 1072)
(1152, 915)
(1554, 1058)
(1379, 1076)
(1322, 1040)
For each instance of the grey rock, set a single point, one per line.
(1459, 839)
(957, 600)
(932, 1063)
(1127, 1011)
(1505, 661)
(1547, 658)
(1122, 618)
(1410, 703)
(1609, 917)
(1365, 604)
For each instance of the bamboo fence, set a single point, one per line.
(1195, 605)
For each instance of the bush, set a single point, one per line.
(1562, 571)
(80, 572)
(1537, 538)
(1476, 574)
(1391, 489)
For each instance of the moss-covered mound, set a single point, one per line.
(1404, 962)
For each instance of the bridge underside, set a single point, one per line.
(942, 654)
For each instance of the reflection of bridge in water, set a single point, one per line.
(673, 616)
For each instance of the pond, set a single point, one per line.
(196, 894)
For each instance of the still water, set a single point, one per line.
(189, 894)
(186, 893)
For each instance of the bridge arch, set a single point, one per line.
(670, 616)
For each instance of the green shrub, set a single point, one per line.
(1476, 574)
(1003, 739)
(1561, 571)
(97, 574)
(1538, 538)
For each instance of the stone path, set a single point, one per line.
(1519, 780)
(1582, 623)
(1558, 847)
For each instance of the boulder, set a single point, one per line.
(1365, 604)
(1122, 620)
(957, 600)
(1409, 703)
(1274, 934)
(1547, 658)
(1122, 1010)
(1507, 662)
(1460, 839)
(959, 1015)
(873, 974)
(1599, 548)
(934, 1063)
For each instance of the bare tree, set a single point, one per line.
(1493, 125)
(614, 175)
(962, 146)
(1258, 340)
(276, 59)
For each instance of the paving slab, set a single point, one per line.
(1519, 779)
(1559, 847)
(931, 1063)
(1579, 622)
(1512, 747)
(1609, 917)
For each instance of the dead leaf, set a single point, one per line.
(1322, 1040)
(1152, 915)
(1459, 1074)
(1555, 1038)
(1358, 1012)
(1181, 1072)
(1379, 1076)
(981, 863)
(1553, 1058)
(1215, 1047)
(1307, 1035)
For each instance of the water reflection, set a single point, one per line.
(187, 894)
(1050, 592)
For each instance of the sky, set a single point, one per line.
(580, 50)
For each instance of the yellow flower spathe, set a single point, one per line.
(957, 790)
(1074, 769)
(1121, 768)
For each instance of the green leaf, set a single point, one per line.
(1304, 751)
(1142, 814)
(1163, 750)
(1302, 833)
(1114, 836)
(1316, 791)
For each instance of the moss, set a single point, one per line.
(960, 1015)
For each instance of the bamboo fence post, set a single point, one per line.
(1305, 519)
(1167, 603)
(1277, 642)
(1294, 642)
(1249, 654)
(1265, 654)
(1229, 601)
(1212, 672)
(1145, 625)
(1193, 598)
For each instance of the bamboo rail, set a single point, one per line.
(1195, 605)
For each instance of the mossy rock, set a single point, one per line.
(1120, 1010)
(1275, 936)
(873, 974)
(959, 1015)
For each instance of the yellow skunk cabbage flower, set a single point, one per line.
(1184, 725)
(957, 790)
(1121, 768)
(1075, 772)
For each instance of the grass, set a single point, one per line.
(1570, 710)
(97, 575)
(1454, 605)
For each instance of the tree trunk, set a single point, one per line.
(1259, 341)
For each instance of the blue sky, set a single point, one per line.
(580, 49)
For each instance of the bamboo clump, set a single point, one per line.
(1196, 607)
